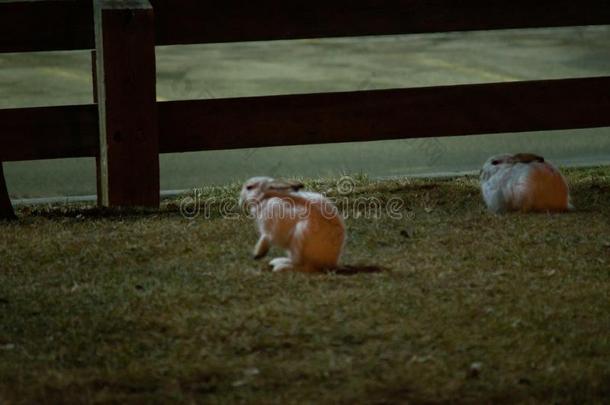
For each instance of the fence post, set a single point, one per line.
(6, 209)
(126, 96)
(98, 165)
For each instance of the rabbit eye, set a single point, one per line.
(250, 187)
(495, 162)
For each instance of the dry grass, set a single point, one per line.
(139, 307)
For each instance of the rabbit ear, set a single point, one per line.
(526, 158)
(284, 185)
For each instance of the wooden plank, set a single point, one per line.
(48, 132)
(46, 25)
(72, 131)
(235, 20)
(98, 162)
(6, 209)
(384, 114)
(67, 24)
(126, 94)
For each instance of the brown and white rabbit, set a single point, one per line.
(523, 182)
(307, 225)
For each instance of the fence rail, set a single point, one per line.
(193, 125)
(384, 114)
(47, 25)
(106, 131)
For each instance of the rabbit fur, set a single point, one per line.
(523, 182)
(307, 225)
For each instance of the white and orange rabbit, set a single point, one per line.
(307, 225)
(523, 182)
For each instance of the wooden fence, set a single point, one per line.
(127, 128)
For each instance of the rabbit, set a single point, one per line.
(305, 224)
(523, 182)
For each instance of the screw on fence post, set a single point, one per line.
(126, 97)
(6, 209)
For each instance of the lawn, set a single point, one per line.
(107, 306)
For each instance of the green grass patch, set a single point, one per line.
(128, 306)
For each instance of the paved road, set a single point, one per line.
(284, 67)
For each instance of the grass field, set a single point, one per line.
(104, 306)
